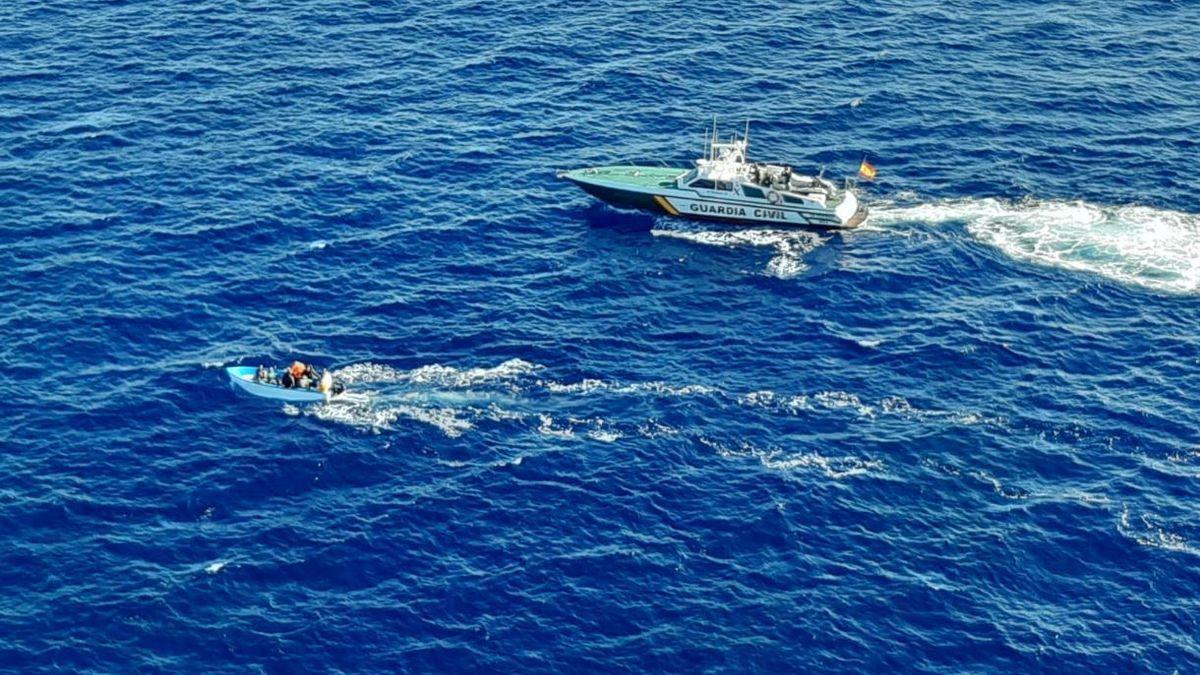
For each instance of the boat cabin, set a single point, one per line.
(725, 172)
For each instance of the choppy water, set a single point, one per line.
(962, 437)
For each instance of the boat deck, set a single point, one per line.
(640, 176)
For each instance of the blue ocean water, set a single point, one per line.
(960, 438)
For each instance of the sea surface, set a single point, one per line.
(961, 438)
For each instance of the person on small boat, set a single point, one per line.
(325, 385)
(261, 375)
(309, 379)
(300, 374)
(292, 376)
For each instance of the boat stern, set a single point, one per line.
(850, 211)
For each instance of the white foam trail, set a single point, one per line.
(839, 400)
(435, 374)
(790, 245)
(659, 387)
(656, 429)
(1184, 456)
(842, 400)
(998, 487)
(455, 401)
(437, 395)
(1147, 533)
(500, 463)
(605, 435)
(1152, 248)
(835, 468)
(585, 386)
(448, 376)
(548, 428)
(369, 373)
(370, 417)
(595, 428)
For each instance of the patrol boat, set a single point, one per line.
(725, 186)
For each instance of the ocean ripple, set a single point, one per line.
(962, 437)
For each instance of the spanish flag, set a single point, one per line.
(866, 170)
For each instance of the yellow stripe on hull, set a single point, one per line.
(666, 205)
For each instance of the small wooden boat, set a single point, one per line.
(244, 378)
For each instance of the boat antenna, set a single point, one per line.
(716, 138)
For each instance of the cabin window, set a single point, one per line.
(752, 192)
(792, 200)
(722, 185)
(703, 184)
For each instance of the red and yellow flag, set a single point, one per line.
(866, 170)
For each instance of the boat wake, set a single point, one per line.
(1139, 245)
(1146, 531)
(517, 397)
(437, 375)
(790, 245)
(450, 399)
(790, 463)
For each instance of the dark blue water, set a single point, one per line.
(961, 438)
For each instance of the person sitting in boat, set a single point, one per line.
(300, 374)
(261, 375)
(309, 378)
(325, 384)
(292, 376)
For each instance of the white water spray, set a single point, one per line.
(1139, 245)
(790, 245)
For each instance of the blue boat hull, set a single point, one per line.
(243, 378)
